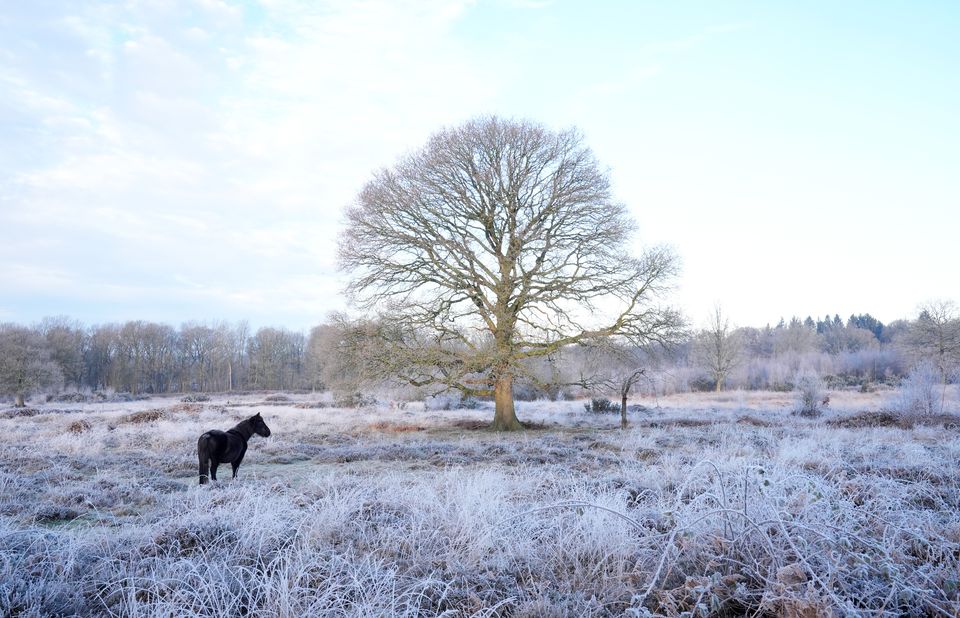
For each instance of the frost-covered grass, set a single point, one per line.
(710, 504)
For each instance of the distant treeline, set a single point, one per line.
(143, 357)
(149, 357)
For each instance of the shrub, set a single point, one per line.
(810, 394)
(782, 387)
(919, 392)
(602, 406)
(279, 398)
(196, 398)
(442, 401)
(703, 385)
(72, 398)
(469, 403)
(354, 400)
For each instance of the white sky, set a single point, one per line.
(190, 159)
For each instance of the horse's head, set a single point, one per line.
(259, 427)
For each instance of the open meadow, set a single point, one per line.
(712, 504)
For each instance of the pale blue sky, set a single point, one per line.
(190, 159)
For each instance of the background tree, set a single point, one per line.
(276, 358)
(67, 342)
(935, 336)
(498, 242)
(346, 355)
(626, 368)
(25, 364)
(718, 347)
(100, 356)
(159, 344)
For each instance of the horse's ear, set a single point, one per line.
(257, 415)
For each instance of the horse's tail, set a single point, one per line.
(203, 453)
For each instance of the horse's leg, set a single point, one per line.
(213, 468)
(236, 462)
(203, 453)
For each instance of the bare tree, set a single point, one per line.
(718, 347)
(623, 368)
(100, 357)
(935, 335)
(498, 242)
(67, 341)
(343, 353)
(159, 345)
(198, 342)
(276, 358)
(230, 342)
(25, 365)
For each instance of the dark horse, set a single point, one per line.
(216, 447)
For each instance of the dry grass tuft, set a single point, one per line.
(80, 426)
(393, 427)
(472, 425)
(188, 408)
(885, 418)
(311, 405)
(754, 421)
(869, 419)
(20, 412)
(680, 422)
(146, 416)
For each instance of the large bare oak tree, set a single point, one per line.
(498, 242)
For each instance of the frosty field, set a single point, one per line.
(708, 504)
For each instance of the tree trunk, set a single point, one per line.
(719, 386)
(623, 411)
(505, 417)
(19, 403)
(943, 394)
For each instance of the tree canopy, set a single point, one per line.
(498, 242)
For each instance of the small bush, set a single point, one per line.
(442, 401)
(469, 403)
(782, 387)
(703, 385)
(810, 394)
(195, 398)
(919, 392)
(312, 405)
(354, 400)
(277, 398)
(74, 398)
(451, 401)
(602, 406)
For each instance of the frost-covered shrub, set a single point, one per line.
(354, 400)
(451, 401)
(195, 398)
(469, 403)
(442, 401)
(919, 392)
(601, 406)
(71, 398)
(277, 398)
(702, 384)
(810, 394)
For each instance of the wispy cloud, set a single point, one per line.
(207, 142)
